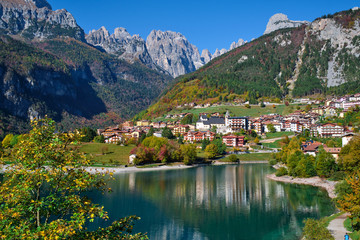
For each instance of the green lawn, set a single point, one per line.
(278, 134)
(107, 154)
(254, 111)
(354, 235)
(275, 144)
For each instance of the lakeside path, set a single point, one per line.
(329, 186)
(336, 227)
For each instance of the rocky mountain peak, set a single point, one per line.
(40, 3)
(35, 19)
(173, 52)
(279, 21)
(206, 56)
(239, 43)
(26, 3)
(121, 44)
(219, 52)
(121, 33)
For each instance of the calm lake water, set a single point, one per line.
(214, 202)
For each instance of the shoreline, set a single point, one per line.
(217, 163)
(329, 186)
(116, 170)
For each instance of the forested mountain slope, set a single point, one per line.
(319, 58)
(59, 74)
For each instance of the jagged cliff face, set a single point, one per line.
(121, 44)
(342, 38)
(35, 19)
(173, 52)
(280, 21)
(55, 72)
(168, 51)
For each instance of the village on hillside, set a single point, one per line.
(314, 121)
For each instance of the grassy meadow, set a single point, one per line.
(107, 154)
(253, 111)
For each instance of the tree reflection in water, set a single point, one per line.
(214, 202)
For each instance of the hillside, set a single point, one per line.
(319, 58)
(65, 75)
(47, 68)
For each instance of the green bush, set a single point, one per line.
(281, 172)
(337, 176)
(233, 158)
(272, 162)
(316, 229)
(99, 139)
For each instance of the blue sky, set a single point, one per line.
(205, 23)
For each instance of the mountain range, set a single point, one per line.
(48, 65)
(293, 59)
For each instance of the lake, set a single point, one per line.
(214, 202)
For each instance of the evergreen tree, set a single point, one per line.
(166, 133)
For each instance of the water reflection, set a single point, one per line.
(214, 202)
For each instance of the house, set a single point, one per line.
(234, 141)
(330, 130)
(180, 129)
(205, 123)
(311, 147)
(198, 136)
(330, 112)
(319, 110)
(236, 123)
(108, 132)
(296, 127)
(286, 126)
(114, 139)
(257, 126)
(333, 151)
(143, 123)
(314, 130)
(348, 105)
(159, 124)
(346, 138)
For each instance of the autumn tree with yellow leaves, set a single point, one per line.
(43, 194)
(351, 201)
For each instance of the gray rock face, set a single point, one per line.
(341, 39)
(173, 52)
(206, 56)
(35, 19)
(237, 44)
(279, 21)
(219, 53)
(122, 44)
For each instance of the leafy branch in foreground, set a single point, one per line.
(351, 201)
(43, 194)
